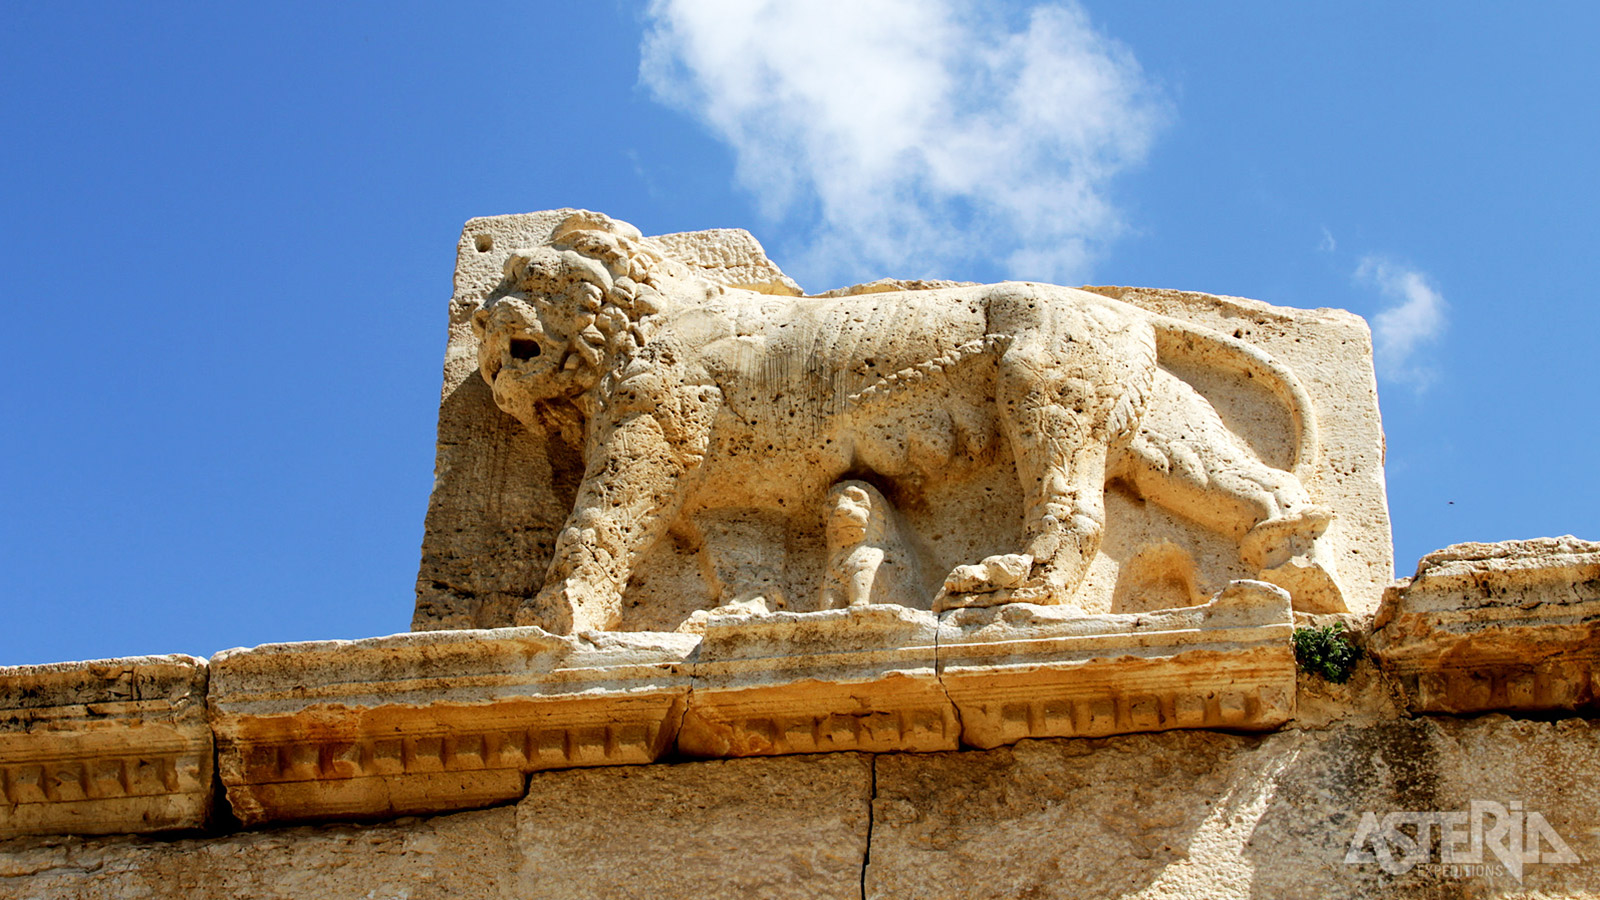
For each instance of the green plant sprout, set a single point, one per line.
(1326, 651)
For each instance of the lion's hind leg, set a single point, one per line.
(1185, 459)
(1065, 404)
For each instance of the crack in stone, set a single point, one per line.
(688, 697)
(938, 676)
(220, 818)
(683, 716)
(872, 799)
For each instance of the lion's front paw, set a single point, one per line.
(571, 606)
(996, 573)
(985, 584)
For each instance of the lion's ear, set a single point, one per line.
(517, 264)
(585, 220)
(539, 268)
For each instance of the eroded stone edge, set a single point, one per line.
(1512, 626)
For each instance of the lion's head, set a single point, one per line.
(571, 311)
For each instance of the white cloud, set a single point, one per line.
(1327, 244)
(912, 137)
(1416, 317)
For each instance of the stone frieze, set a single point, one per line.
(104, 746)
(1509, 626)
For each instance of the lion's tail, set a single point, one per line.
(1183, 341)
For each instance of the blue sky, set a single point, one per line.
(229, 232)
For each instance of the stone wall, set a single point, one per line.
(1410, 779)
(1178, 814)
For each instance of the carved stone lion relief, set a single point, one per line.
(945, 447)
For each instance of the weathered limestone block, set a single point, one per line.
(1028, 671)
(861, 678)
(435, 721)
(729, 256)
(769, 828)
(104, 746)
(1204, 814)
(1510, 626)
(1330, 350)
(466, 856)
(662, 428)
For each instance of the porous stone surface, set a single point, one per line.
(436, 721)
(471, 856)
(104, 746)
(730, 256)
(1330, 350)
(684, 511)
(1190, 814)
(1184, 814)
(1513, 625)
(1021, 671)
(860, 678)
(778, 828)
(669, 431)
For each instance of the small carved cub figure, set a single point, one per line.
(688, 397)
(868, 559)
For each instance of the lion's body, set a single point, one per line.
(729, 400)
(899, 387)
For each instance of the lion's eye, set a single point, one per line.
(525, 348)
